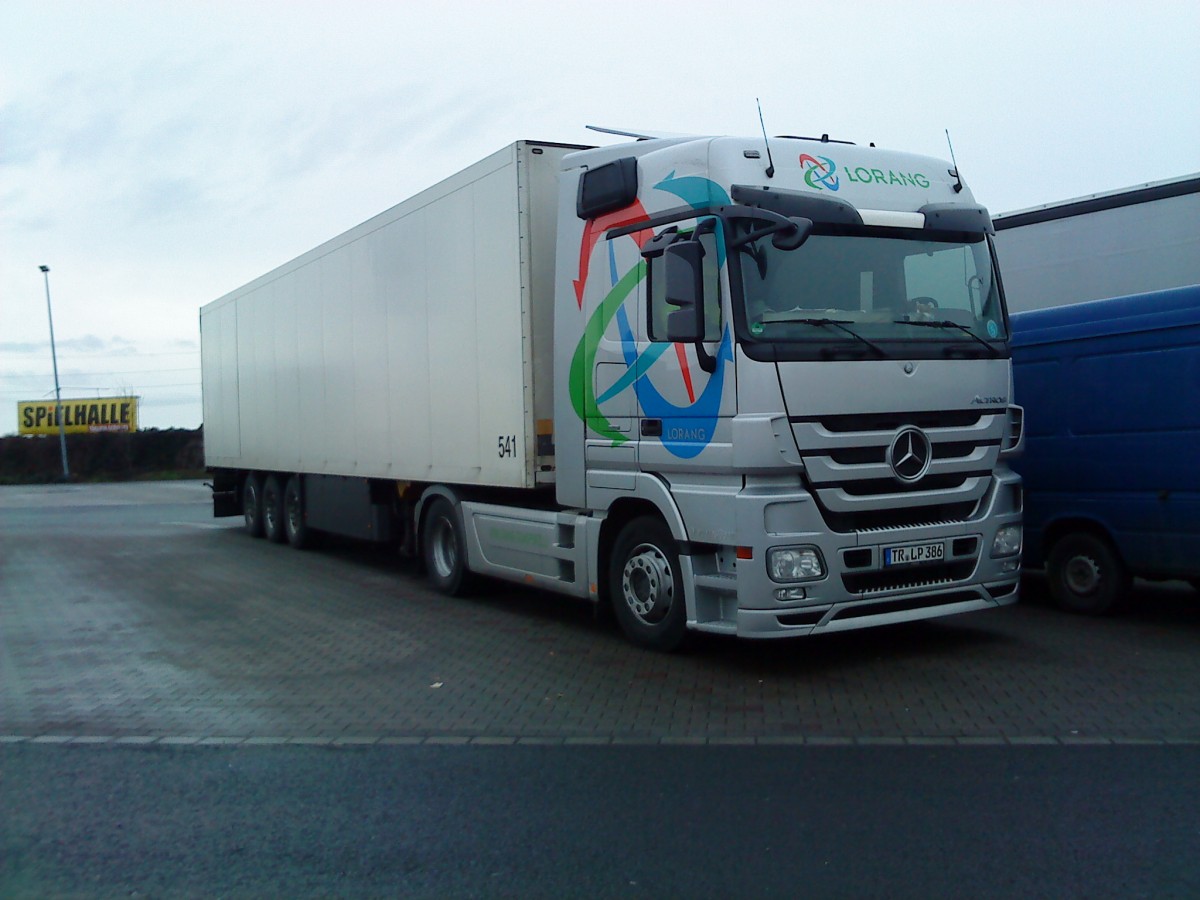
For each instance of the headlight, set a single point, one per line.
(794, 563)
(1008, 541)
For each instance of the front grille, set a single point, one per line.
(811, 617)
(966, 546)
(915, 577)
(859, 558)
(892, 486)
(861, 456)
(959, 418)
(858, 456)
(956, 450)
(846, 465)
(904, 604)
(902, 517)
(1016, 427)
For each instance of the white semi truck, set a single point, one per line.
(726, 385)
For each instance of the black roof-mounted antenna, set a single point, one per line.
(958, 185)
(770, 162)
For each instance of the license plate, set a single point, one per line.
(914, 553)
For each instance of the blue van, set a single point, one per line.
(1111, 391)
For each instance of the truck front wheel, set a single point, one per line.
(252, 505)
(443, 549)
(1086, 575)
(272, 510)
(645, 585)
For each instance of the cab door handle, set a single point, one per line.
(651, 427)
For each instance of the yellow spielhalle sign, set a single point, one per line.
(94, 416)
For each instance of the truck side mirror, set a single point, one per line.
(791, 238)
(685, 290)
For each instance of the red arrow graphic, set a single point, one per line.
(596, 227)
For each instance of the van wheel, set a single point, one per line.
(272, 510)
(294, 527)
(1086, 575)
(252, 505)
(645, 585)
(443, 549)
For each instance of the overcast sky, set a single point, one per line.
(157, 155)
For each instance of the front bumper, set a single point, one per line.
(858, 590)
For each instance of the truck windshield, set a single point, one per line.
(852, 285)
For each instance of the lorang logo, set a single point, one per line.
(819, 172)
(822, 174)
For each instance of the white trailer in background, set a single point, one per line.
(1132, 241)
(749, 388)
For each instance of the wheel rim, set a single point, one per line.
(444, 548)
(647, 584)
(269, 520)
(1082, 575)
(293, 512)
(250, 504)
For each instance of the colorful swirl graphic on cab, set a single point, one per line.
(688, 428)
(819, 172)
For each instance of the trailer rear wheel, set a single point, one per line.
(252, 505)
(1086, 575)
(272, 510)
(443, 549)
(645, 585)
(294, 526)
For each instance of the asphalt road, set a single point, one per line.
(185, 711)
(430, 821)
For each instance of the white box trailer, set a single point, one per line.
(1132, 241)
(372, 357)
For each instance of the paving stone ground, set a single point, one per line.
(127, 613)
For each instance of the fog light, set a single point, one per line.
(1007, 541)
(792, 593)
(794, 563)
(1010, 565)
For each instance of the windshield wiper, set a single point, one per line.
(842, 323)
(946, 323)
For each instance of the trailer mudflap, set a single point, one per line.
(226, 493)
(225, 503)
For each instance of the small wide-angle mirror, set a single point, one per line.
(791, 238)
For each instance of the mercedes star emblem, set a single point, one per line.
(910, 454)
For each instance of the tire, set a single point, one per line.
(252, 505)
(645, 585)
(272, 510)
(1085, 574)
(295, 529)
(443, 549)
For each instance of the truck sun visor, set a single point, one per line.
(829, 210)
(957, 217)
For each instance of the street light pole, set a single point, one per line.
(58, 413)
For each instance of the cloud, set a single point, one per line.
(23, 346)
(88, 343)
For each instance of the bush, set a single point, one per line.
(153, 453)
